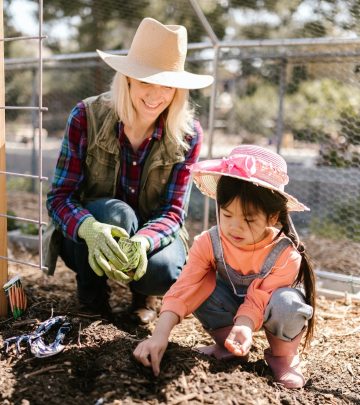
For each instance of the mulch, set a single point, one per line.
(97, 366)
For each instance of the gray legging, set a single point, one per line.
(285, 315)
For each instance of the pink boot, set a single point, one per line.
(218, 350)
(284, 361)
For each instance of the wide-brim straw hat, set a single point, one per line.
(157, 55)
(251, 163)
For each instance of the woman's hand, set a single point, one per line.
(143, 261)
(239, 340)
(150, 352)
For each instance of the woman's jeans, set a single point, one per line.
(164, 266)
(285, 315)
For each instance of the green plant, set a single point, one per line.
(29, 229)
(342, 221)
(11, 222)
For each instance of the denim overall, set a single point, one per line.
(285, 315)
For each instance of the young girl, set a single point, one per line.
(249, 271)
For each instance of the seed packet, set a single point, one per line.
(16, 295)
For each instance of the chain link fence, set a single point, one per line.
(290, 87)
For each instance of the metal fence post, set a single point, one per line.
(215, 43)
(3, 200)
(280, 118)
(34, 124)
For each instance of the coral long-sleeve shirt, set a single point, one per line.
(198, 278)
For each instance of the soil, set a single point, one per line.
(97, 366)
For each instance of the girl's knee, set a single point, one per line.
(287, 313)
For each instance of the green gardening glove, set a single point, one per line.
(143, 261)
(105, 254)
(126, 272)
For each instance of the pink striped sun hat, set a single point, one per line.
(251, 163)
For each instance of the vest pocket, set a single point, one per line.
(100, 175)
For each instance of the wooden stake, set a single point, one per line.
(3, 200)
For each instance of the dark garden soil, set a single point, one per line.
(97, 366)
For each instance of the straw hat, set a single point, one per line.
(250, 163)
(157, 55)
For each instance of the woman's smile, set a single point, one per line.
(152, 106)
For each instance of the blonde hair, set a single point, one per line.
(178, 116)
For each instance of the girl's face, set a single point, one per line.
(150, 100)
(241, 230)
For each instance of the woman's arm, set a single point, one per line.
(150, 351)
(62, 204)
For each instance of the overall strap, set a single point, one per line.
(271, 258)
(215, 241)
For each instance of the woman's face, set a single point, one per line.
(241, 230)
(150, 100)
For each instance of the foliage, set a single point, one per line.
(325, 111)
(256, 112)
(15, 183)
(11, 222)
(342, 222)
(29, 228)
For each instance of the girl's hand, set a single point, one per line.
(239, 340)
(150, 352)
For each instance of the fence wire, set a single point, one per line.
(35, 105)
(298, 95)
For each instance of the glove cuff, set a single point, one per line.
(85, 227)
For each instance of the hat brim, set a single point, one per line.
(181, 80)
(206, 181)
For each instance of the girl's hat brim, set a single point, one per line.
(178, 79)
(206, 175)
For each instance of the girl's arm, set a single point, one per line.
(150, 351)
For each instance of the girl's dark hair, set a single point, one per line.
(271, 202)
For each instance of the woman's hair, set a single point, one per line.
(271, 203)
(178, 116)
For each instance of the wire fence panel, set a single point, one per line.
(287, 79)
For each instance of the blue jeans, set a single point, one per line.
(164, 266)
(285, 315)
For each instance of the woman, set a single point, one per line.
(123, 172)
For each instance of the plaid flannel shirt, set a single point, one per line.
(68, 213)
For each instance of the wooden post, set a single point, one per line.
(3, 202)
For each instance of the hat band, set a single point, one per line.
(249, 167)
(243, 167)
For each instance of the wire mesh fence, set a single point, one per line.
(287, 79)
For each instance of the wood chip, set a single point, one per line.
(183, 398)
(349, 369)
(53, 368)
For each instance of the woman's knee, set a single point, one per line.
(114, 212)
(287, 313)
